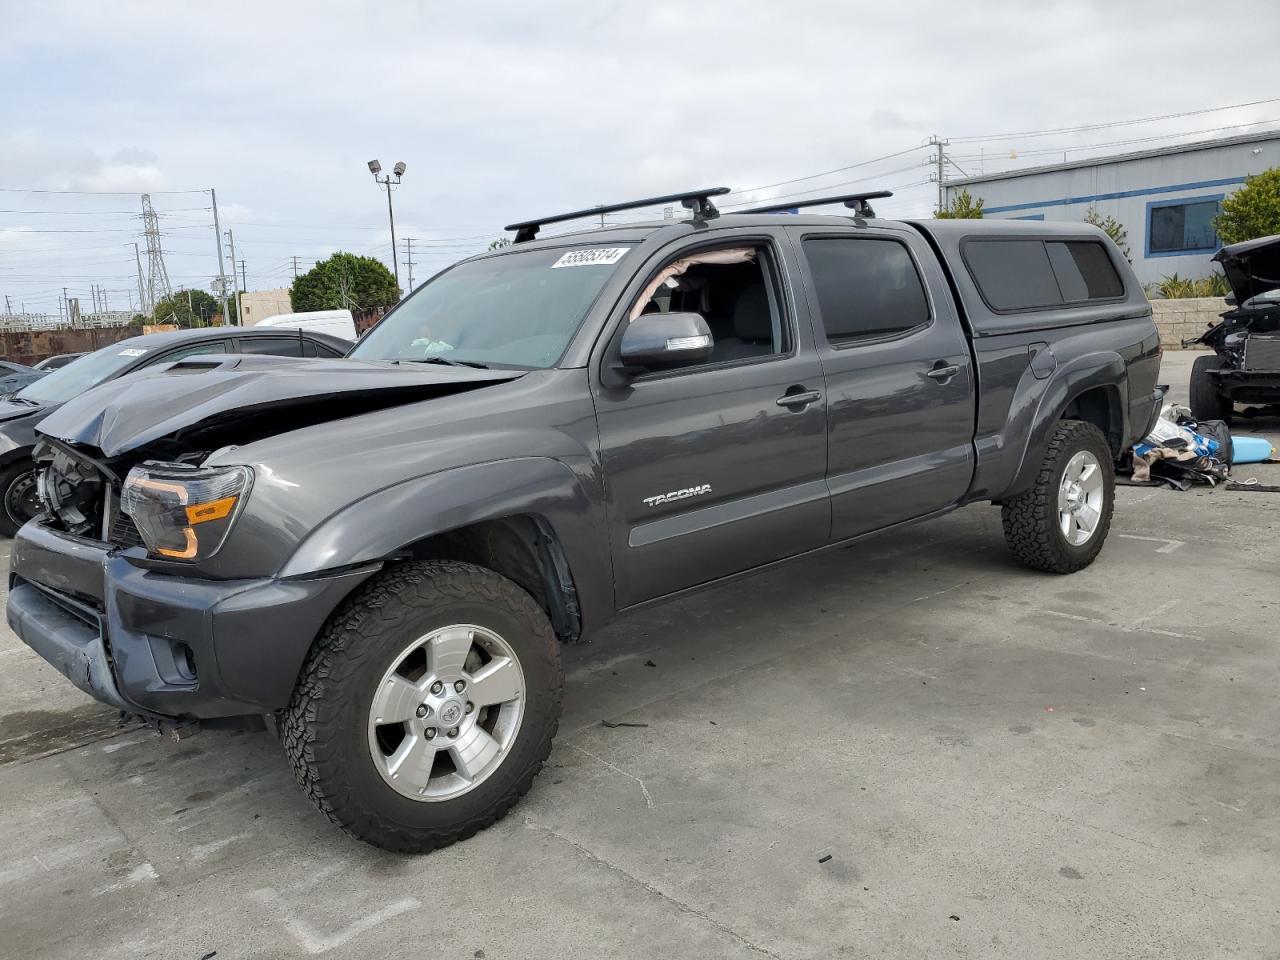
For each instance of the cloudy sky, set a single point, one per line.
(507, 110)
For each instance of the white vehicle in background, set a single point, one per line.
(337, 323)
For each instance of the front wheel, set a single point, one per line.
(18, 499)
(1060, 524)
(427, 706)
(1207, 401)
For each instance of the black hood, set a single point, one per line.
(245, 397)
(1252, 267)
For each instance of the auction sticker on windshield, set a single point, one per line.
(590, 257)
(133, 352)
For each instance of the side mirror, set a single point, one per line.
(1231, 299)
(664, 340)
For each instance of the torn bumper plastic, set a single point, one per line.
(161, 645)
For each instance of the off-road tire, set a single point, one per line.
(1207, 403)
(324, 727)
(9, 523)
(1030, 519)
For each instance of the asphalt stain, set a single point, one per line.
(1084, 721)
(1021, 728)
(28, 734)
(1071, 873)
(1179, 823)
(200, 796)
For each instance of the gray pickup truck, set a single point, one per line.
(382, 554)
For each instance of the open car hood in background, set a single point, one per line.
(1252, 266)
(239, 398)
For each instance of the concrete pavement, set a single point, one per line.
(998, 763)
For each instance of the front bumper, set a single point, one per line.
(163, 645)
(1248, 386)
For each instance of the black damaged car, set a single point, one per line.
(1245, 364)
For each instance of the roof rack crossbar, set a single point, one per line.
(699, 201)
(856, 201)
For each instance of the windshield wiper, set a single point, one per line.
(14, 398)
(449, 363)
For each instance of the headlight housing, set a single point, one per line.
(184, 512)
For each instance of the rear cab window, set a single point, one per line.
(868, 288)
(1033, 274)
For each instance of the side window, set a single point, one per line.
(275, 346)
(730, 289)
(866, 288)
(1013, 274)
(195, 350)
(1030, 274)
(1084, 271)
(313, 348)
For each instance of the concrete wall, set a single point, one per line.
(1177, 319)
(260, 304)
(32, 346)
(1126, 189)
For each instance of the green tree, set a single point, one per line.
(500, 243)
(187, 308)
(1253, 210)
(1113, 228)
(962, 207)
(345, 281)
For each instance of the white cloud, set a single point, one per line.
(519, 109)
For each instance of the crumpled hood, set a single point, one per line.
(1252, 267)
(203, 393)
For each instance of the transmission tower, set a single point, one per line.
(157, 286)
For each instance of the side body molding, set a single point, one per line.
(392, 518)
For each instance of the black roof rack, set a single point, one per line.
(858, 201)
(699, 201)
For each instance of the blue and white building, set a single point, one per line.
(1165, 198)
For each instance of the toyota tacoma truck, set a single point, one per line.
(381, 555)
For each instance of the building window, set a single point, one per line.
(1182, 226)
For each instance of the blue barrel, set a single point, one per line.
(1247, 449)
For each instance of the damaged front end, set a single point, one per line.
(136, 580)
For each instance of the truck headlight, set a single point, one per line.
(183, 512)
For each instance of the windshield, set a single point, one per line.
(59, 386)
(519, 309)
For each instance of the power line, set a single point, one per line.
(1114, 123)
(100, 193)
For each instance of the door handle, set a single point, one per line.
(798, 400)
(945, 372)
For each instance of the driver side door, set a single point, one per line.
(718, 467)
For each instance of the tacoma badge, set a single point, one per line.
(684, 494)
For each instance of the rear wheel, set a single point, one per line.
(1207, 401)
(1060, 524)
(427, 706)
(18, 499)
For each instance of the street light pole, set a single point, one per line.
(387, 183)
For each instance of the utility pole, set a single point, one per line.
(940, 161)
(157, 274)
(408, 259)
(244, 284)
(387, 183)
(142, 290)
(8, 310)
(222, 273)
(295, 268)
(70, 322)
(232, 241)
